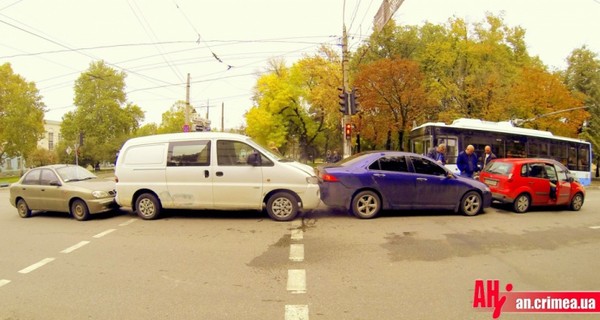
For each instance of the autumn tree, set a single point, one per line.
(543, 98)
(103, 117)
(21, 114)
(392, 95)
(298, 105)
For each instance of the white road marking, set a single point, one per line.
(126, 223)
(297, 252)
(102, 234)
(75, 247)
(3, 282)
(297, 234)
(296, 224)
(296, 312)
(595, 227)
(296, 281)
(36, 265)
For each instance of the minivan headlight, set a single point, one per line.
(312, 180)
(99, 194)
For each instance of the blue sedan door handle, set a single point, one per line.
(379, 174)
(421, 179)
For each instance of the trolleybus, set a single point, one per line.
(506, 141)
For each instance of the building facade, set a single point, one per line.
(13, 166)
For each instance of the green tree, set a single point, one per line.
(103, 118)
(583, 76)
(173, 119)
(297, 106)
(21, 114)
(41, 157)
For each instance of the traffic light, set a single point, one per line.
(354, 105)
(343, 101)
(348, 131)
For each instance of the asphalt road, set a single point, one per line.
(327, 265)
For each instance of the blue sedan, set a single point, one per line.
(368, 182)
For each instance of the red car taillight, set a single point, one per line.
(328, 177)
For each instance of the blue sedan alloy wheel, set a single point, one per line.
(471, 203)
(366, 204)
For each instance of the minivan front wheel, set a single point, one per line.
(282, 206)
(147, 206)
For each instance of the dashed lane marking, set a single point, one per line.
(296, 281)
(128, 222)
(595, 227)
(296, 312)
(102, 234)
(36, 265)
(75, 247)
(297, 252)
(297, 234)
(4, 282)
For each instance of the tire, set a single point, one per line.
(366, 205)
(282, 206)
(147, 206)
(522, 203)
(80, 210)
(576, 202)
(23, 209)
(471, 203)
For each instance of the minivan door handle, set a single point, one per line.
(219, 173)
(206, 173)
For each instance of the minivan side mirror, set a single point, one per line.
(254, 159)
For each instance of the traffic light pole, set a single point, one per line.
(346, 117)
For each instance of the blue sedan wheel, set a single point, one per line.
(471, 203)
(366, 205)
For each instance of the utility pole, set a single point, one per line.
(222, 116)
(346, 119)
(186, 126)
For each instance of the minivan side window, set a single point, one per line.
(189, 153)
(236, 153)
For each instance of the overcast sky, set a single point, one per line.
(225, 44)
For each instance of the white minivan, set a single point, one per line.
(211, 170)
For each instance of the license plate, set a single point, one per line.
(491, 182)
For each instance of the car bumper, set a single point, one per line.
(101, 205)
(336, 195)
(502, 197)
(311, 197)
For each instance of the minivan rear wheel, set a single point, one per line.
(147, 206)
(282, 206)
(522, 203)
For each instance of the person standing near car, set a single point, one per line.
(438, 154)
(487, 156)
(467, 162)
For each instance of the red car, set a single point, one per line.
(527, 182)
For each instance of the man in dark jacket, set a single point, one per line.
(467, 162)
(438, 154)
(487, 156)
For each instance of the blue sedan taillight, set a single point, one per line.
(326, 177)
